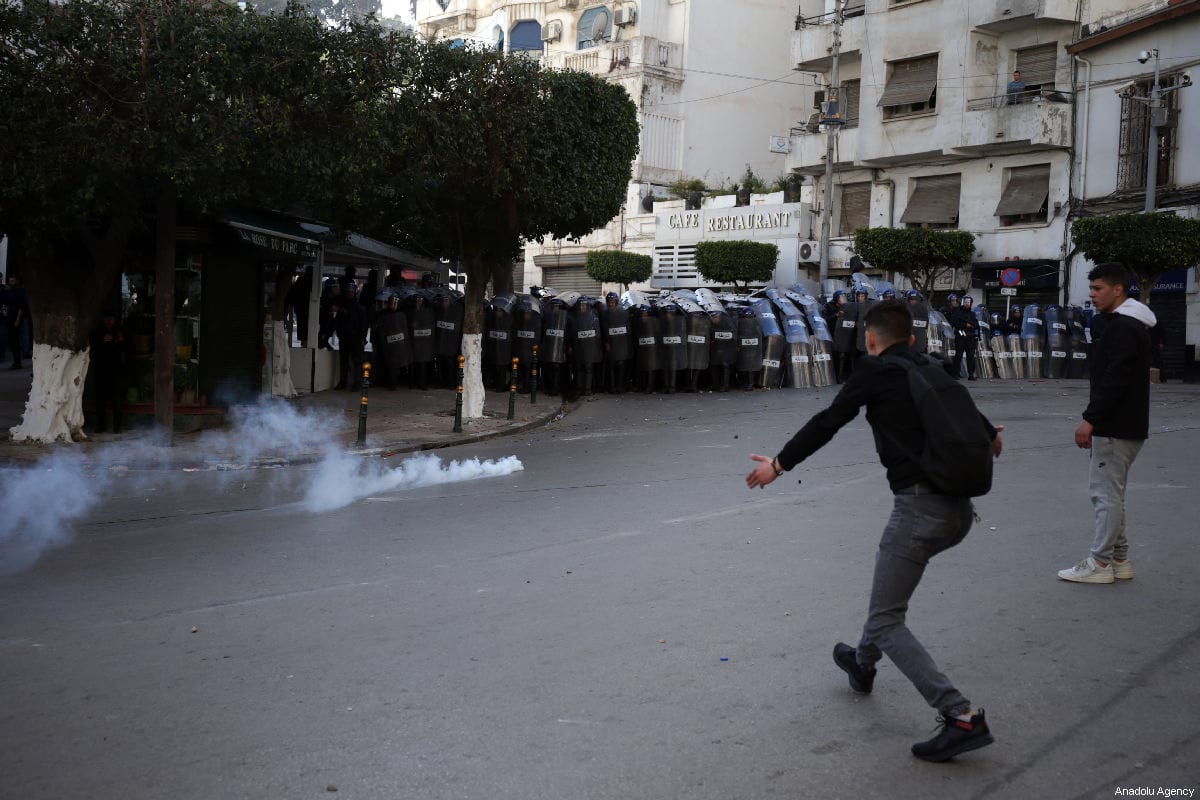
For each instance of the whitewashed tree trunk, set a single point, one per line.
(281, 361)
(473, 394)
(54, 410)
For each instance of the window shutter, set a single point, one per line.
(910, 82)
(934, 200)
(856, 208)
(1037, 64)
(1025, 192)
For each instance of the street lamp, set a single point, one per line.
(1158, 119)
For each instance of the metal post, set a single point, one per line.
(458, 398)
(1156, 109)
(512, 389)
(362, 404)
(831, 134)
(533, 376)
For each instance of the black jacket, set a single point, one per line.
(883, 389)
(1119, 403)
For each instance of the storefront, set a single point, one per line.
(678, 231)
(999, 284)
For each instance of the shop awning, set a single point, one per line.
(910, 82)
(935, 200)
(1025, 192)
(272, 232)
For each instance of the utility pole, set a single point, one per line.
(1157, 118)
(832, 119)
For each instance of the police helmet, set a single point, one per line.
(952, 298)
(611, 296)
(860, 289)
(913, 294)
(583, 300)
(748, 312)
(1016, 309)
(967, 300)
(838, 293)
(888, 294)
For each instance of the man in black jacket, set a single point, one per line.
(923, 523)
(1117, 419)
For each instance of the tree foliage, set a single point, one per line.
(920, 254)
(1147, 244)
(618, 266)
(733, 262)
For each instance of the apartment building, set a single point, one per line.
(938, 131)
(714, 85)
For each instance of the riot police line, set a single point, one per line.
(699, 340)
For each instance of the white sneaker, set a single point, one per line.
(1088, 571)
(1122, 570)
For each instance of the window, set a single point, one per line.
(850, 92)
(595, 27)
(911, 88)
(1037, 67)
(933, 202)
(526, 36)
(1134, 144)
(1023, 200)
(854, 8)
(856, 208)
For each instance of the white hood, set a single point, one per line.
(1137, 310)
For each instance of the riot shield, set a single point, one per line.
(554, 335)
(987, 358)
(723, 347)
(821, 343)
(749, 339)
(845, 328)
(798, 353)
(1017, 357)
(773, 343)
(860, 329)
(699, 338)
(1058, 342)
(615, 323)
(646, 337)
(1033, 340)
(938, 326)
(1002, 356)
(1077, 367)
(674, 337)
(586, 329)
(448, 319)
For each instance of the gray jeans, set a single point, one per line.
(1107, 476)
(921, 526)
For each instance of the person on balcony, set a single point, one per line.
(1016, 89)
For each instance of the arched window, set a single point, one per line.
(525, 36)
(595, 26)
(498, 37)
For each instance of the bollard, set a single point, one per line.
(458, 399)
(533, 376)
(362, 404)
(512, 390)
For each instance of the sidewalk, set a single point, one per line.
(400, 421)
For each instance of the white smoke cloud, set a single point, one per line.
(342, 478)
(40, 503)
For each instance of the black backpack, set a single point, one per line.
(957, 456)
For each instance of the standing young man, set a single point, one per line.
(923, 523)
(1117, 419)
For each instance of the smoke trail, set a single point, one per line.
(341, 478)
(40, 503)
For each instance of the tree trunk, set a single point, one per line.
(164, 314)
(472, 344)
(67, 283)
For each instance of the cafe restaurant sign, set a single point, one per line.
(715, 221)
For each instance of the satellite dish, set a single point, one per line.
(600, 27)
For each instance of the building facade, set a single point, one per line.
(938, 131)
(712, 82)
(1116, 56)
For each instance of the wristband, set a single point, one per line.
(776, 466)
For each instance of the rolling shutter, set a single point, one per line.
(934, 200)
(911, 82)
(1037, 64)
(856, 208)
(849, 100)
(1025, 192)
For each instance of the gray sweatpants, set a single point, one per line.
(921, 526)
(1107, 475)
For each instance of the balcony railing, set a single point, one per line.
(1034, 96)
(610, 58)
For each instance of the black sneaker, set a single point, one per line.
(862, 679)
(955, 737)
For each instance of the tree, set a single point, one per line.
(733, 262)
(117, 110)
(922, 255)
(1147, 244)
(618, 266)
(502, 151)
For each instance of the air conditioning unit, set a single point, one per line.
(810, 251)
(552, 31)
(624, 16)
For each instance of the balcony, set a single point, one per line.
(808, 151)
(1002, 16)
(1038, 120)
(812, 43)
(642, 54)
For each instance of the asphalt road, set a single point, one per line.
(621, 619)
